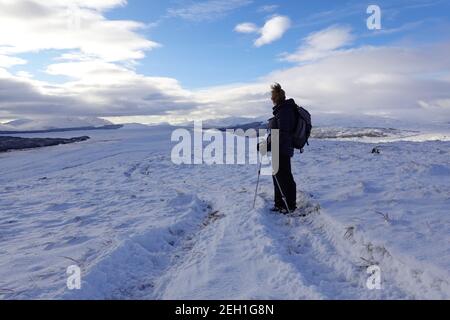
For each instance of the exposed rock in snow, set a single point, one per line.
(16, 143)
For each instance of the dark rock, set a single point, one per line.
(376, 151)
(17, 143)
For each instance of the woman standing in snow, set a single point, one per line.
(285, 120)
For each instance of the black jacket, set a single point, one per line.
(285, 119)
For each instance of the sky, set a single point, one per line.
(176, 61)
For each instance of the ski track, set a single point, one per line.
(171, 232)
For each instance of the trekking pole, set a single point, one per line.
(257, 184)
(282, 194)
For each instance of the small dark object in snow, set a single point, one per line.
(145, 286)
(376, 151)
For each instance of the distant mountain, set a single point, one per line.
(56, 123)
(109, 127)
(336, 120)
(5, 127)
(60, 124)
(18, 123)
(319, 132)
(252, 125)
(357, 133)
(134, 126)
(223, 122)
(231, 121)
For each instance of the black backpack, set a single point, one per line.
(303, 129)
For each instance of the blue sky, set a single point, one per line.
(210, 50)
(205, 51)
(176, 60)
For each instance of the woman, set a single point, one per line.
(285, 120)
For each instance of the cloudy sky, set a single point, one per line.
(179, 60)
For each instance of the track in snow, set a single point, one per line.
(224, 250)
(260, 255)
(143, 228)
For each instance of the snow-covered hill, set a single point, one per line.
(135, 126)
(141, 227)
(4, 127)
(53, 123)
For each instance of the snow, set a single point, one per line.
(141, 227)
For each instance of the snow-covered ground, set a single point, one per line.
(142, 227)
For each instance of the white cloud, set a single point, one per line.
(273, 30)
(94, 54)
(396, 81)
(77, 25)
(399, 82)
(321, 44)
(7, 62)
(246, 28)
(268, 8)
(97, 88)
(435, 104)
(206, 10)
(92, 4)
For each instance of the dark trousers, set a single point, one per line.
(287, 184)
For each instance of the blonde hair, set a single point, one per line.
(278, 94)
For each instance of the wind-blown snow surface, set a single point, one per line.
(142, 227)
